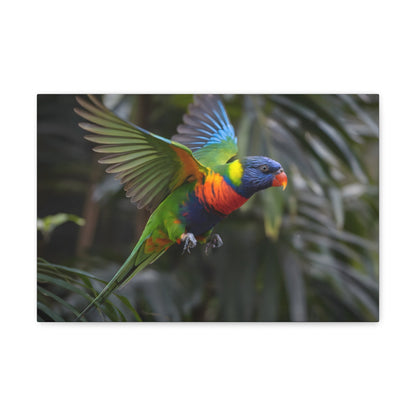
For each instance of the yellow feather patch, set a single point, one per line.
(235, 171)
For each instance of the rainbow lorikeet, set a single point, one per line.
(190, 182)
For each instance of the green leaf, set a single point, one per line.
(48, 311)
(58, 299)
(48, 224)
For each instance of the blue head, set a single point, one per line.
(260, 172)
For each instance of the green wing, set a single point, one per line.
(149, 166)
(207, 131)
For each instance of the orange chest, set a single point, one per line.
(216, 194)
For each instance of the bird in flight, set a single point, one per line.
(189, 183)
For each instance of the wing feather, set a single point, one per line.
(207, 131)
(149, 166)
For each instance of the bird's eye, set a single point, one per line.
(264, 168)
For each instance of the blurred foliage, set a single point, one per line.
(48, 224)
(307, 254)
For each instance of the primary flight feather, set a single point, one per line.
(190, 182)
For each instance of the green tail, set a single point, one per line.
(137, 261)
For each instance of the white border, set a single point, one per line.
(195, 369)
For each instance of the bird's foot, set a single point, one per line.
(214, 242)
(189, 242)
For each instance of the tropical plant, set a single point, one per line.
(56, 286)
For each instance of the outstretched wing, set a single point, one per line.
(207, 131)
(149, 166)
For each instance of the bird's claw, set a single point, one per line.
(189, 242)
(214, 242)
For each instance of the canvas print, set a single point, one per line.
(208, 208)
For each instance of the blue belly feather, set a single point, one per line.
(197, 218)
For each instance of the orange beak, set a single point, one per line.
(280, 180)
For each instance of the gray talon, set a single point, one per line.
(214, 242)
(189, 242)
